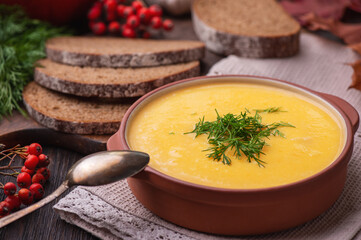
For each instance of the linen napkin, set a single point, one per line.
(112, 212)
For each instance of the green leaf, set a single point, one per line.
(22, 43)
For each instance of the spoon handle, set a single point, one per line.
(16, 215)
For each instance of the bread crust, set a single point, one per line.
(125, 60)
(98, 128)
(110, 90)
(70, 126)
(245, 46)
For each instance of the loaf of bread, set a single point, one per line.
(121, 52)
(110, 82)
(247, 28)
(70, 114)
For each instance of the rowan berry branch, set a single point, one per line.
(9, 174)
(10, 154)
(31, 179)
(13, 167)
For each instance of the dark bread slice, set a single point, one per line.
(110, 82)
(247, 28)
(120, 52)
(71, 114)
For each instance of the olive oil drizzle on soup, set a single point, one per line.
(158, 128)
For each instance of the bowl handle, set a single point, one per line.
(113, 142)
(347, 108)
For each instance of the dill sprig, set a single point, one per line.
(269, 110)
(243, 133)
(22, 43)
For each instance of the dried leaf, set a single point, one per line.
(356, 76)
(355, 5)
(349, 33)
(325, 15)
(356, 47)
(314, 23)
(331, 9)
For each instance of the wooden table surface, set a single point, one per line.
(63, 150)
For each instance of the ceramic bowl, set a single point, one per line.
(241, 212)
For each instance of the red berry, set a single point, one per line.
(168, 25)
(111, 16)
(26, 149)
(24, 180)
(24, 169)
(38, 178)
(146, 35)
(43, 160)
(4, 208)
(37, 190)
(122, 27)
(31, 162)
(155, 10)
(14, 202)
(137, 5)
(9, 189)
(25, 196)
(128, 32)
(35, 149)
(110, 6)
(143, 15)
(133, 21)
(99, 28)
(114, 27)
(156, 22)
(128, 11)
(120, 10)
(45, 172)
(98, 4)
(94, 13)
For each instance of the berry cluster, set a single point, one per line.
(128, 19)
(30, 180)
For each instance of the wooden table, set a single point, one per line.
(64, 150)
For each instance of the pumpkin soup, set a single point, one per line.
(158, 128)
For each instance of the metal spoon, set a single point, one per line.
(92, 170)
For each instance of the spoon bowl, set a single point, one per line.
(106, 167)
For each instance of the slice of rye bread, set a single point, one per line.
(110, 82)
(120, 52)
(247, 28)
(71, 114)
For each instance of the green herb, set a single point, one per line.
(269, 110)
(171, 133)
(22, 43)
(243, 134)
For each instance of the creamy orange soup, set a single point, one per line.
(158, 128)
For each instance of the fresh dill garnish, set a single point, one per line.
(171, 133)
(22, 43)
(269, 110)
(244, 134)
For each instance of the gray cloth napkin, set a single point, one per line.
(112, 212)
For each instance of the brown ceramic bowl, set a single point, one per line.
(242, 212)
